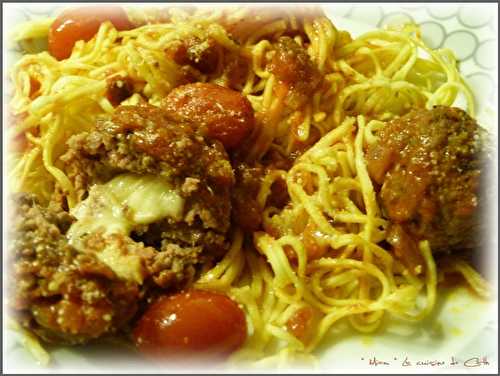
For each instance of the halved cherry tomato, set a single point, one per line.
(190, 324)
(82, 24)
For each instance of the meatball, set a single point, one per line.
(68, 294)
(63, 295)
(428, 164)
(143, 140)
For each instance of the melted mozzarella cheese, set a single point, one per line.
(147, 198)
(119, 206)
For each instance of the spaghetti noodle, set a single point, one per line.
(357, 279)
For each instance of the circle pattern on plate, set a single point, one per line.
(463, 43)
(396, 18)
(369, 15)
(474, 19)
(441, 12)
(486, 55)
(468, 30)
(484, 85)
(433, 33)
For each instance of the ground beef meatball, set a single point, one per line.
(428, 164)
(63, 295)
(70, 294)
(143, 140)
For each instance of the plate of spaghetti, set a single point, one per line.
(245, 187)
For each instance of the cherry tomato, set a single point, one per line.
(300, 323)
(191, 324)
(224, 114)
(82, 24)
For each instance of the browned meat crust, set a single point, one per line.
(142, 139)
(63, 295)
(70, 296)
(428, 164)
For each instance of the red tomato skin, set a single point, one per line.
(82, 24)
(226, 114)
(195, 323)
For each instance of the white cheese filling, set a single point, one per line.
(117, 207)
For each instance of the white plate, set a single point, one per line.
(463, 331)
